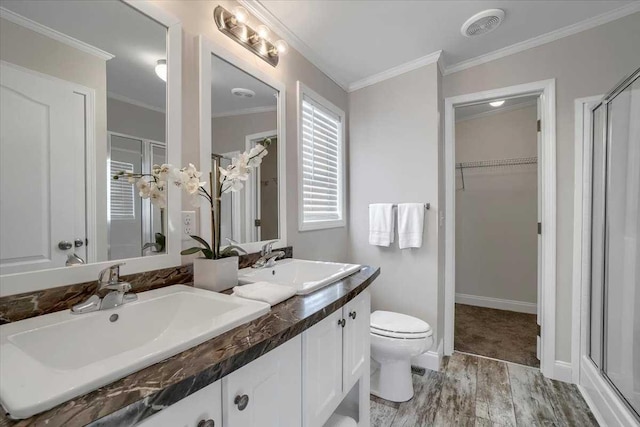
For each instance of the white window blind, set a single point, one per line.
(122, 194)
(321, 163)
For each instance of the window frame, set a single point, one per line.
(302, 91)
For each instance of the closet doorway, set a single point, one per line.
(500, 225)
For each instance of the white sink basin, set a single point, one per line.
(49, 359)
(305, 276)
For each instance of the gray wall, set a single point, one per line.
(196, 19)
(394, 154)
(134, 120)
(585, 64)
(496, 213)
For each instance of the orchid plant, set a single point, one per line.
(153, 186)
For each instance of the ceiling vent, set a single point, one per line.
(242, 92)
(482, 23)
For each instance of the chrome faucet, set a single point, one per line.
(267, 256)
(119, 294)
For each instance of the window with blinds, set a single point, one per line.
(122, 196)
(321, 164)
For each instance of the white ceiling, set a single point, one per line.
(354, 40)
(484, 109)
(136, 40)
(225, 77)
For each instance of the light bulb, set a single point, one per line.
(497, 103)
(241, 14)
(281, 46)
(161, 69)
(263, 31)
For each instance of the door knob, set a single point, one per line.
(207, 423)
(342, 322)
(241, 401)
(352, 314)
(64, 245)
(78, 243)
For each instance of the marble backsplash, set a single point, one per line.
(36, 303)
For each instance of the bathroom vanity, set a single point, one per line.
(304, 360)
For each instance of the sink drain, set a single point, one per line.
(113, 318)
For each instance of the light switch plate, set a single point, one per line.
(188, 225)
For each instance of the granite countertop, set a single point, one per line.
(143, 393)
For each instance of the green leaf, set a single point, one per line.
(235, 248)
(191, 251)
(201, 241)
(208, 253)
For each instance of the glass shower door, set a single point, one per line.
(622, 255)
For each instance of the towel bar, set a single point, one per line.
(427, 206)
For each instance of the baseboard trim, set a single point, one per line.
(429, 360)
(563, 371)
(497, 303)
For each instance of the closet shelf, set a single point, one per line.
(494, 163)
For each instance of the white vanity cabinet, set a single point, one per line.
(335, 355)
(201, 409)
(266, 392)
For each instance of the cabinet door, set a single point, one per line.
(322, 369)
(266, 392)
(202, 406)
(355, 339)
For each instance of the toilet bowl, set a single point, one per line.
(395, 339)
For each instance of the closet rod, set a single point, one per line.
(427, 206)
(494, 163)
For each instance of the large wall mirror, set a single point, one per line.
(83, 98)
(245, 108)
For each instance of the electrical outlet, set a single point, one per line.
(188, 225)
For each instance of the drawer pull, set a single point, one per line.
(207, 423)
(241, 401)
(353, 315)
(342, 322)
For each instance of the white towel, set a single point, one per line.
(264, 291)
(381, 224)
(410, 225)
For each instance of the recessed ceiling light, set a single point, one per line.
(242, 92)
(497, 103)
(161, 69)
(482, 23)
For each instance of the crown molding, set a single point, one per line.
(245, 111)
(127, 100)
(545, 38)
(53, 34)
(261, 13)
(499, 110)
(396, 71)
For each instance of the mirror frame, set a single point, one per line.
(207, 49)
(12, 284)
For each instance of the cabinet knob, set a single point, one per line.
(241, 401)
(352, 314)
(342, 322)
(206, 423)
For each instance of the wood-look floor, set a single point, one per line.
(476, 391)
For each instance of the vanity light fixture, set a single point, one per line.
(497, 103)
(234, 24)
(161, 69)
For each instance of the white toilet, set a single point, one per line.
(395, 339)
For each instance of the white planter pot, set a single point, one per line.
(215, 274)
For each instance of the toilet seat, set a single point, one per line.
(399, 326)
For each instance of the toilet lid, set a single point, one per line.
(397, 325)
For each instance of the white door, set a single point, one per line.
(203, 405)
(322, 369)
(266, 392)
(355, 339)
(42, 177)
(540, 225)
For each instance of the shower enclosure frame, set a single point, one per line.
(608, 403)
